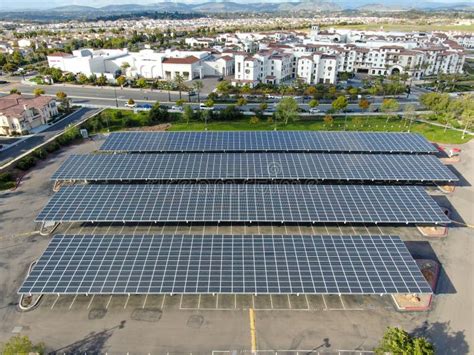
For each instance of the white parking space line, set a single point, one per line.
(90, 302)
(126, 302)
(108, 302)
(307, 301)
(325, 304)
(73, 300)
(54, 303)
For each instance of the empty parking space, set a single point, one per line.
(226, 302)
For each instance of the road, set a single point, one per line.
(116, 97)
(34, 141)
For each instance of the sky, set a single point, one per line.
(41, 4)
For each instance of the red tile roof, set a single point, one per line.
(14, 105)
(188, 60)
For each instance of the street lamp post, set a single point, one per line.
(116, 100)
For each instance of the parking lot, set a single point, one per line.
(206, 323)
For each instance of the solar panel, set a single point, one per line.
(243, 264)
(243, 203)
(284, 141)
(254, 166)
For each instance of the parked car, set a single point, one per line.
(130, 105)
(314, 110)
(203, 106)
(144, 107)
(176, 108)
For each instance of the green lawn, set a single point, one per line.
(108, 121)
(432, 133)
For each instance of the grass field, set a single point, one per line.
(406, 27)
(130, 119)
(432, 133)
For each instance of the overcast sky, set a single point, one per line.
(41, 4)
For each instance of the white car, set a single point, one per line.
(314, 110)
(203, 106)
(177, 108)
(131, 105)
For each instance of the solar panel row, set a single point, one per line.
(283, 141)
(254, 166)
(204, 264)
(243, 203)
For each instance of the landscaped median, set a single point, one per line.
(10, 178)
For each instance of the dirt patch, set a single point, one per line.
(147, 314)
(157, 128)
(195, 321)
(97, 313)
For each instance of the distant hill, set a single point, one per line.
(220, 6)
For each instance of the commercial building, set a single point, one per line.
(146, 63)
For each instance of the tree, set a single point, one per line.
(328, 120)
(353, 92)
(141, 83)
(224, 87)
(15, 91)
(410, 114)
(209, 103)
(467, 116)
(101, 80)
(179, 80)
(389, 106)
(287, 110)
(246, 89)
(311, 91)
(197, 86)
(124, 66)
(158, 113)
(313, 103)
(61, 96)
(21, 345)
(180, 102)
(38, 91)
(364, 104)
(131, 102)
(398, 341)
(241, 101)
(82, 79)
(188, 114)
(340, 104)
(262, 106)
(121, 80)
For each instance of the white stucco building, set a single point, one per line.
(19, 114)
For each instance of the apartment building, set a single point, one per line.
(19, 114)
(266, 66)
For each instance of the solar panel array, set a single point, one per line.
(254, 166)
(206, 264)
(282, 141)
(243, 203)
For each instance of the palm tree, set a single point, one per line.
(197, 86)
(179, 80)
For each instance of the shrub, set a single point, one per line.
(26, 163)
(52, 147)
(254, 120)
(7, 181)
(40, 153)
